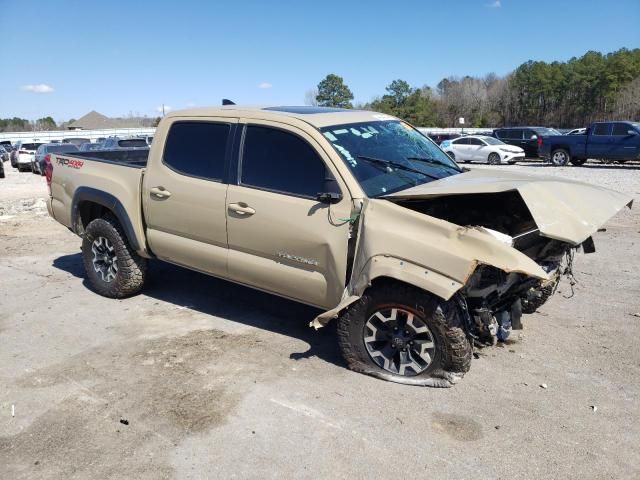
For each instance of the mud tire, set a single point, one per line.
(453, 353)
(132, 268)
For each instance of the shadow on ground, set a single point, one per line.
(216, 297)
(595, 166)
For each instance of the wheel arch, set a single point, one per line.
(90, 203)
(385, 268)
(560, 146)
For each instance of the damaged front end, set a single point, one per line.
(495, 298)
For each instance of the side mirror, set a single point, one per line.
(330, 190)
(329, 197)
(632, 132)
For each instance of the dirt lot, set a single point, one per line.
(200, 378)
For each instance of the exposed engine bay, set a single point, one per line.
(494, 299)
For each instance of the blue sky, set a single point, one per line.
(65, 58)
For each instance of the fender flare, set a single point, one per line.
(88, 194)
(399, 269)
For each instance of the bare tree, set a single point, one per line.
(310, 97)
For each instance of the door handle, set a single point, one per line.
(160, 192)
(241, 209)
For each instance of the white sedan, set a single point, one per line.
(480, 148)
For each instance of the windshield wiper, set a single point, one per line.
(432, 161)
(399, 166)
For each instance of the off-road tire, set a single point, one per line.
(453, 351)
(493, 159)
(560, 157)
(578, 161)
(132, 268)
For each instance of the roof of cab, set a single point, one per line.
(316, 116)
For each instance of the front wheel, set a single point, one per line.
(402, 334)
(560, 157)
(494, 159)
(113, 268)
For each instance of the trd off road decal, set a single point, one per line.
(70, 162)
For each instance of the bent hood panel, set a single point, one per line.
(564, 210)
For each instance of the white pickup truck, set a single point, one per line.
(353, 212)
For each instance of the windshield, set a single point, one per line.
(389, 156)
(492, 141)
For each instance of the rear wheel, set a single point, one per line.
(578, 161)
(494, 159)
(113, 268)
(560, 157)
(402, 334)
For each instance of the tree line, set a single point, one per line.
(17, 124)
(568, 94)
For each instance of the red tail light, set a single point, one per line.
(48, 170)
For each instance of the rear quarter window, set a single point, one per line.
(602, 129)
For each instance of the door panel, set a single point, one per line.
(287, 243)
(185, 214)
(461, 150)
(288, 246)
(624, 146)
(600, 141)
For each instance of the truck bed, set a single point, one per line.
(129, 158)
(111, 178)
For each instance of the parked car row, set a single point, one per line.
(31, 156)
(617, 141)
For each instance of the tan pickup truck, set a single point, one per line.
(354, 212)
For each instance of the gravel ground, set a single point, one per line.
(200, 378)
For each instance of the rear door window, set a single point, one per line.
(282, 162)
(515, 134)
(474, 141)
(461, 141)
(602, 129)
(197, 149)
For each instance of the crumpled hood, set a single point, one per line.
(564, 210)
